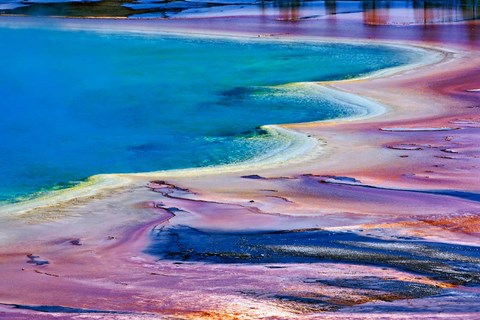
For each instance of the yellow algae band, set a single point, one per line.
(364, 108)
(297, 147)
(85, 189)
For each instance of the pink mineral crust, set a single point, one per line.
(394, 198)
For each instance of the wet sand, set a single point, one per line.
(382, 222)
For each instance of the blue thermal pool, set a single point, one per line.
(78, 103)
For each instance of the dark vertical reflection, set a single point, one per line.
(331, 7)
(331, 11)
(341, 18)
(375, 12)
(289, 9)
(382, 12)
(423, 20)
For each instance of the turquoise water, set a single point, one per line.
(75, 103)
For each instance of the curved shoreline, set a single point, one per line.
(301, 149)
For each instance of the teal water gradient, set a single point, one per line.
(74, 103)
